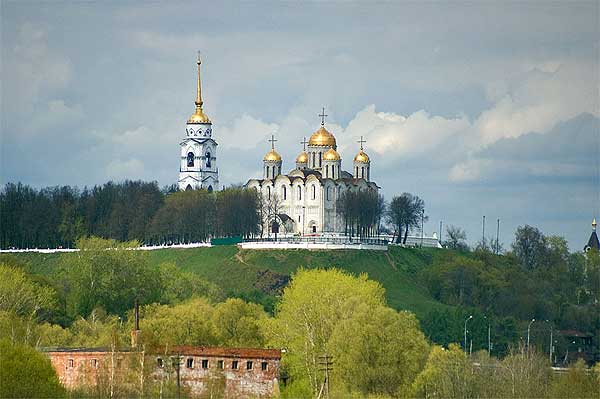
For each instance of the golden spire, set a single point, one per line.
(198, 116)
(594, 224)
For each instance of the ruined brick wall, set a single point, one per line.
(216, 372)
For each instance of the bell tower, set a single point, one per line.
(198, 162)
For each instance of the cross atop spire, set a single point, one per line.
(198, 89)
(272, 141)
(323, 115)
(361, 141)
(304, 142)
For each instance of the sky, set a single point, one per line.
(480, 108)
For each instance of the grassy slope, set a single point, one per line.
(238, 270)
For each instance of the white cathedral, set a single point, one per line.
(304, 201)
(300, 202)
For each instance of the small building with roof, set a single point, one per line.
(593, 242)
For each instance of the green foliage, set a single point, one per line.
(576, 383)
(378, 350)
(26, 373)
(362, 211)
(447, 374)
(238, 323)
(110, 275)
(22, 296)
(178, 285)
(404, 213)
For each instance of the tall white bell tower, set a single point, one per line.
(198, 164)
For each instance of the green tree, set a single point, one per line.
(108, 274)
(313, 304)
(406, 212)
(22, 296)
(448, 373)
(576, 383)
(378, 350)
(238, 323)
(530, 247)
(457, 238)
(26, 373)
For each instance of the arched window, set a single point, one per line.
(210, 189)
(320, 159)
(328, 193)
(314, 192)
(327, 170)
(333, 171)
(208, 159)
(266, 172)
(299, 193)
(313, 160)
(362, 172)
(188, 188)
(284, 192)
(268, 192)
(190, 159)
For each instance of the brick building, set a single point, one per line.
(237, 372)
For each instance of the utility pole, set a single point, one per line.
(483, 233)
(440, 232)
(326, 362)
(422, 225)
(551, 345)
(498, 238)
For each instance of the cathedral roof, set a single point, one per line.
(331, 155)
(361, 157)
(322, 138)
(272, 156)
(302, 157)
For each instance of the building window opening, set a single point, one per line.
(71, 362)
(314, 192)
(220, 364)
(188, 188)
(263, 366)
(268, 192)
(313, 160)
(190, 159)
(356, 174)
(234, 365)
(249, 365)
(210, 189)
(190, 363)
(320, 159)
(159, 363)
(314, 229)
(299, 193)
(362, 172)
(204, 363)
(328, 193)
(284, 191)
(273, 173)
(94, 363)
(326, 170)
(333, 171)
(208, 159)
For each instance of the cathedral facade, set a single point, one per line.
(304, 201)
(198, 162)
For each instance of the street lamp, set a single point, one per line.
(303, 223)
(528, 329)
(489, 336)
(551, 342)
(422, 225)
(466, 321)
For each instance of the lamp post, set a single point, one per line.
(528, 330)
(551, 342)
(303, 215)
(422, 225)
(489, 336)
(466, 321)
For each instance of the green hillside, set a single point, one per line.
(248, 272)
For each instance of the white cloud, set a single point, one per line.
(245, 132)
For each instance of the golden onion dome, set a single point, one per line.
(331, 155)
(361, 157)
(199, 117)
(272, 156)
(322, 137)
(302, 158)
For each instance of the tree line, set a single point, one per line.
(55, 217)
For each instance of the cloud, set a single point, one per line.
(245, 132)
(127, 169)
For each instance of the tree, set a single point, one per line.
(457, 238)
(447, 374)
(378, 350)
(576, 383)
(26, 373)
(108, 274)
(314, 303)
(404, 213)
(362, 211)
(238, 323)
(530, 247)
(21, 296)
